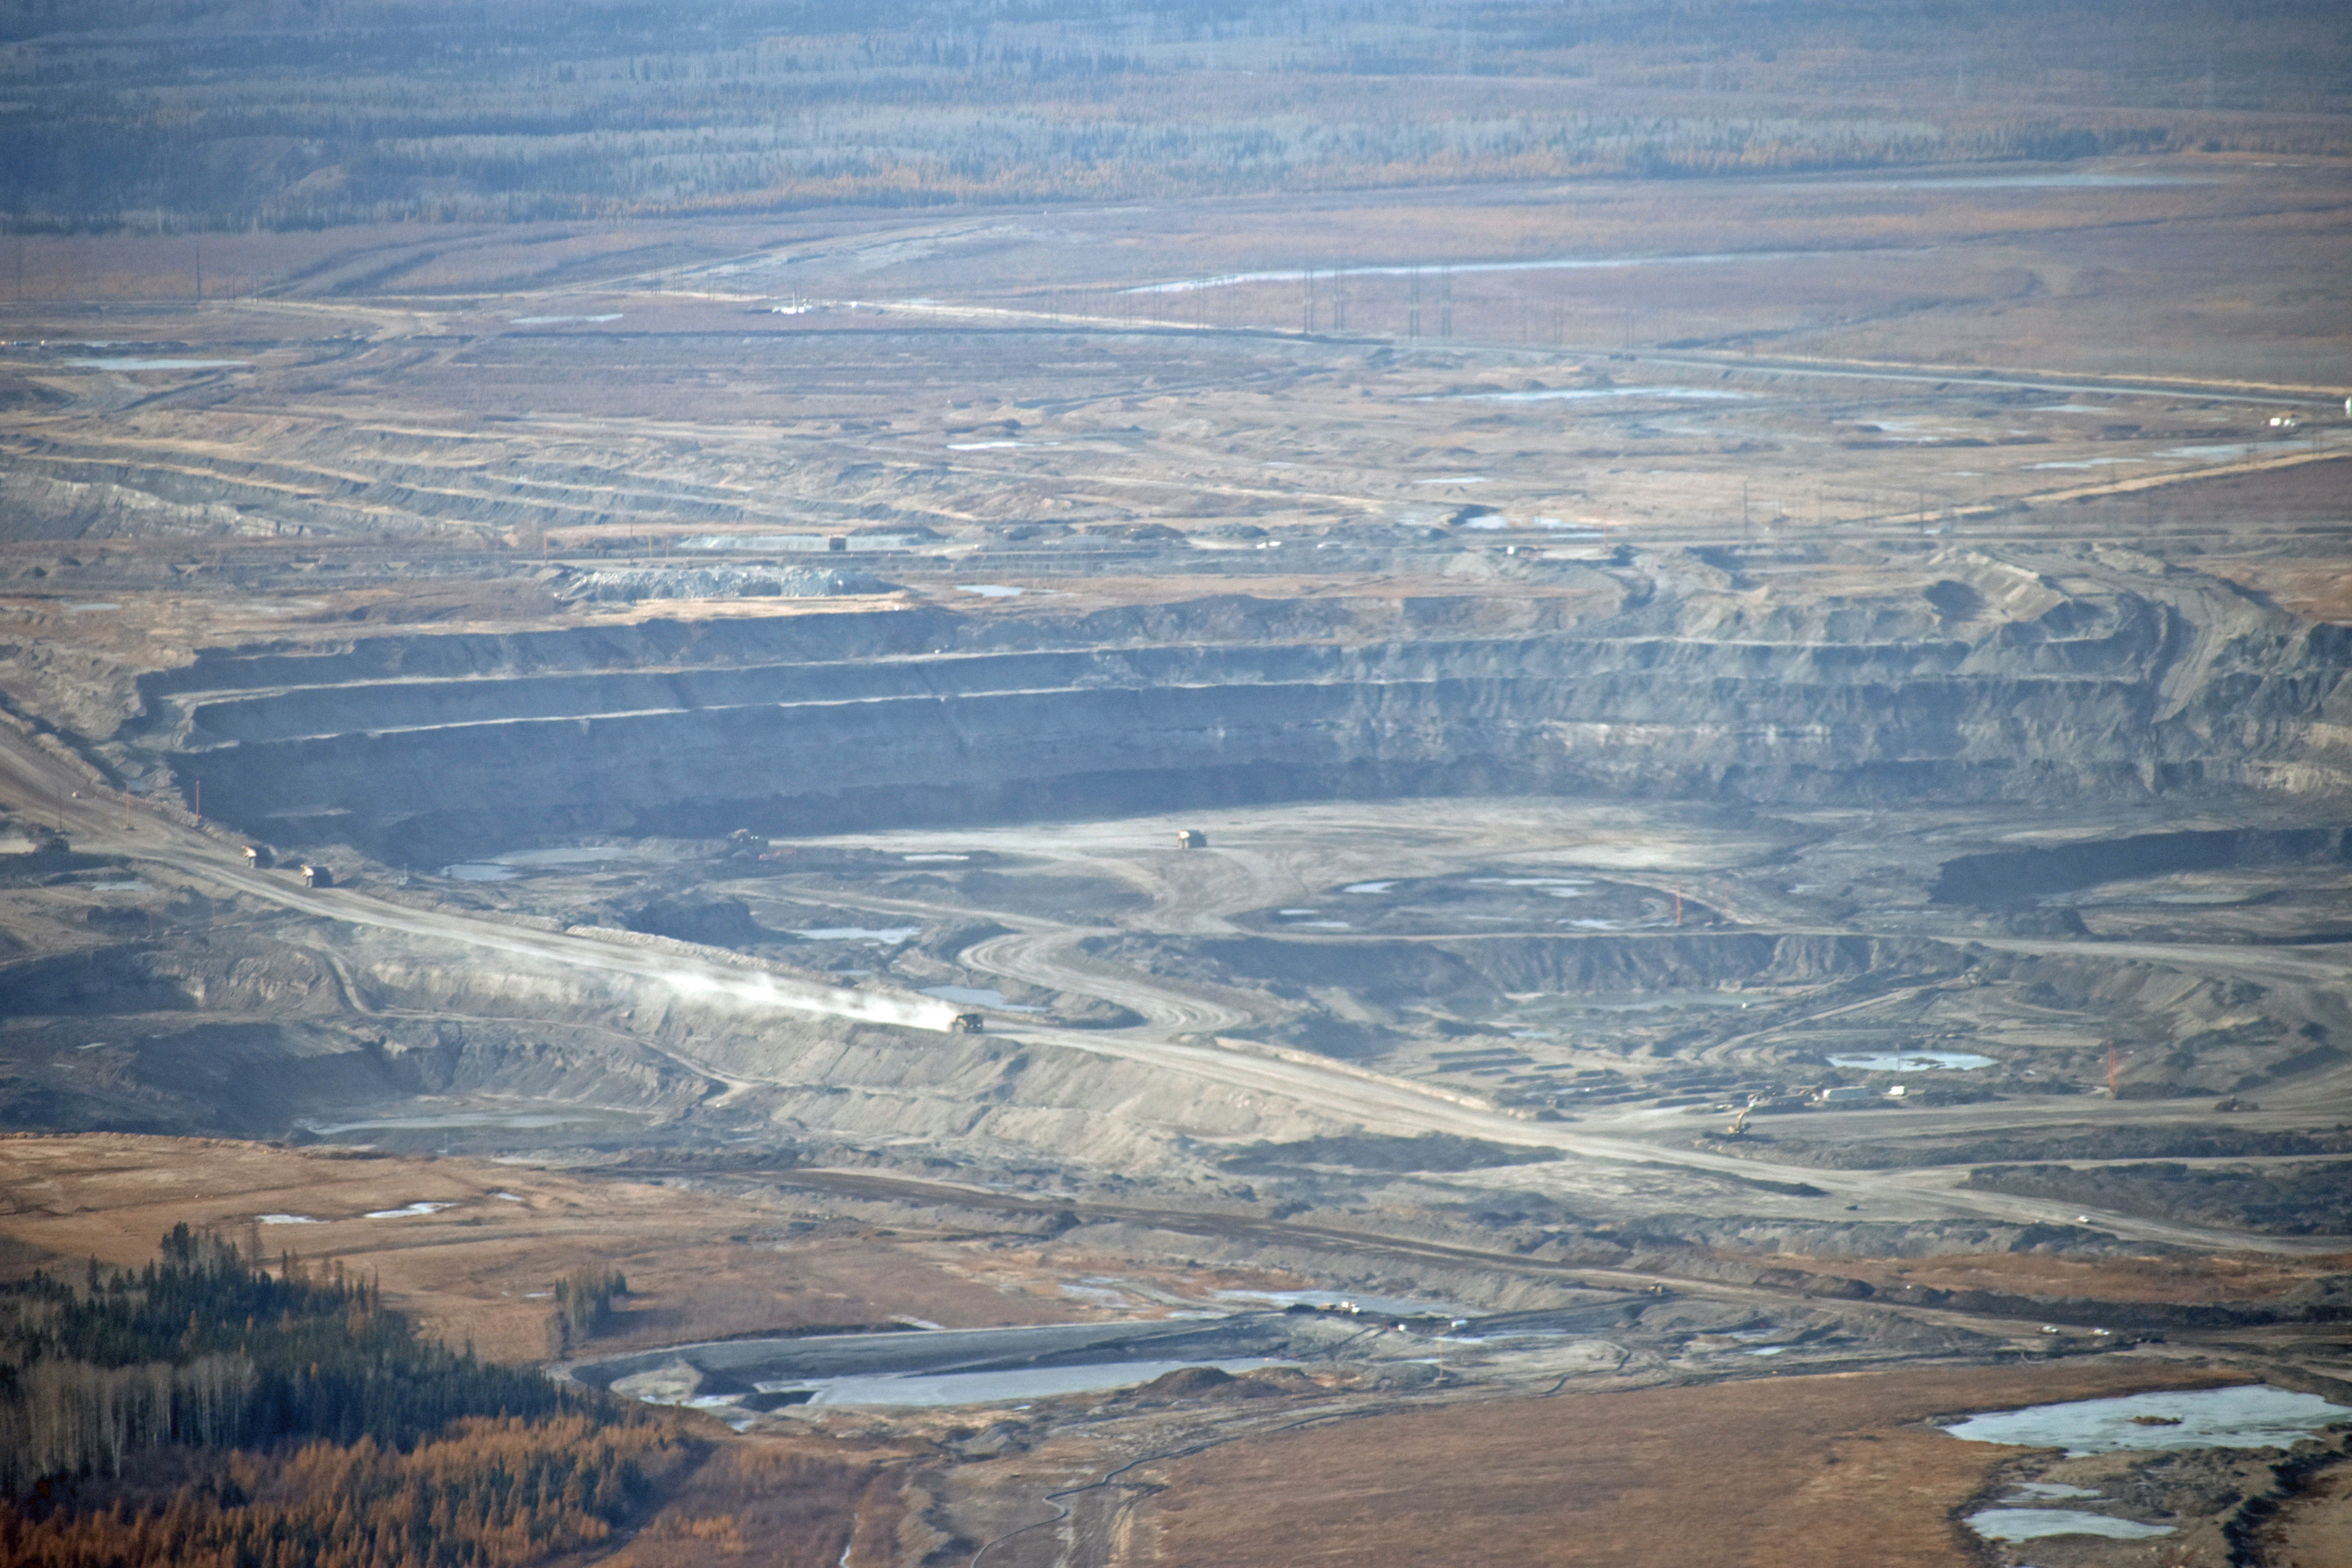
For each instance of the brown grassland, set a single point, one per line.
(1802, 1472)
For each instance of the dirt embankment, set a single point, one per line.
(2273, 1200)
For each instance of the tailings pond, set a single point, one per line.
(950, 1366)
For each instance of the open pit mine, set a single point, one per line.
(1053, 934)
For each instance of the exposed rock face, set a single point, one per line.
(2024, 686)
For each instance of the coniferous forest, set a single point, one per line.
(159, 116)
(203, 1409)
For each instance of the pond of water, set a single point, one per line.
(997, 1388)
(2254, 1416)
(1912, 1061)
(2040, 1524)
(976, 996)
(506, 868)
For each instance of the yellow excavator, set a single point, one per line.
(1739, 1122)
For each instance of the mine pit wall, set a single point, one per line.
(248, 1039)
(425, 748)
(636, 1043)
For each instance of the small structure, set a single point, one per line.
(1845, 1094)
(967, 1023)
(1191, 838)
(317, 876)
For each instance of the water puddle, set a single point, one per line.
(91, 608)
(111, 362)
(2088, 463)
(2256, 1416)
(1567, 394)
(989, 590)
(285, 1219)
(408, 1211)
(860, 933)
(553, 321)
(1912, 1061)
(2070, 409)
(1556, 887)
(2040, 1524)
(2003, 183)
(134, 886)
(974, 996)
(506, 868)
(2224, 450)
(1561, 264)
(929, 859)
(511, 1197)
(1458, 479)
(525, 1120)
(2044, 1491)
(1368, 887)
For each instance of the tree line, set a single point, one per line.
(288, 113)
(201, 1349)
(487, 1493)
